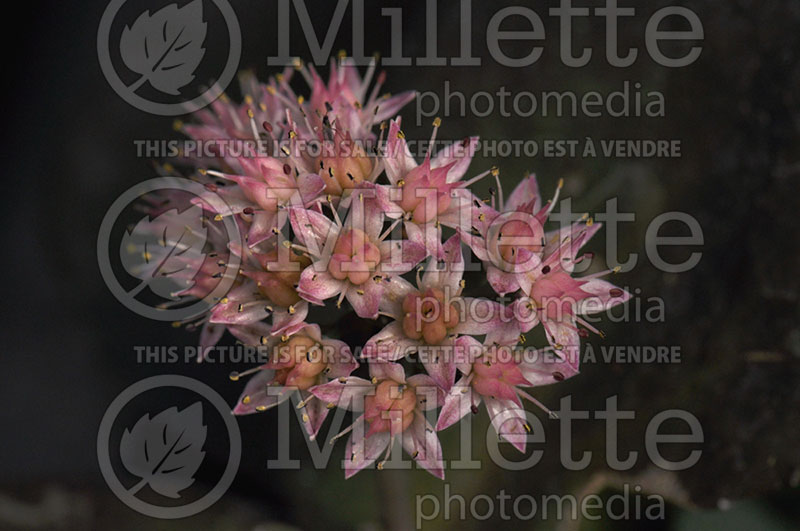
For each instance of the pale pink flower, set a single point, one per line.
(351, 260)
(493, 372)
(429, 195)
(433, 314)
(541, 265)
(393, 406)
(297, 364)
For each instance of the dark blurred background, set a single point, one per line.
(69, 343)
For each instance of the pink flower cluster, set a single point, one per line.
(361, 224)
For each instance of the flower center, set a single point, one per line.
(428, 316)
(556, 294)
(516, 235)
(301, 360)
(280, 283)
(391, 408)
(495, 374)
(421, 198)
(345, 167)
(354, 257)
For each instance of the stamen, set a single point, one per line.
(235, 375)
(475, 179)
(390, 229)
(387, 454)
(525, 395)
(344, 432)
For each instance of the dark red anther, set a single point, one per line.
(267, 127)
(474, 409)
(546, 269)
(287, 169)
(248, 210)
(211, 187)
(582, 332)
(559, 377)
(616, 292)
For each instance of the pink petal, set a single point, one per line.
(312, 228)
(481, 316)
(421, 442)
(429, 395)
(313, 414)
(395, 290)
(440, 365)
(384, 195)
(525, 192)
(392, 106)
(317, 286)
(428, 236)
(362, 452)
(545, 366)
(457, 404)
(365, 212)
(310, 186)
(460, 155)
(400, 256)
(346, 392)
(387, 371)
(501, 281)
(563, 336)
(342, 362)
(365, 299)
(254, 334)
(262, 226)
(447, 274)
(508, 420)
(605, 296)
(390, 344)
(256, 395)
(210, 335)
(398, 159)
(287, 323)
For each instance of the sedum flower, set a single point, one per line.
(297, 364)
(429, 195)
(351, 260)
(493, 373)
(433, 314)
(392, 407)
